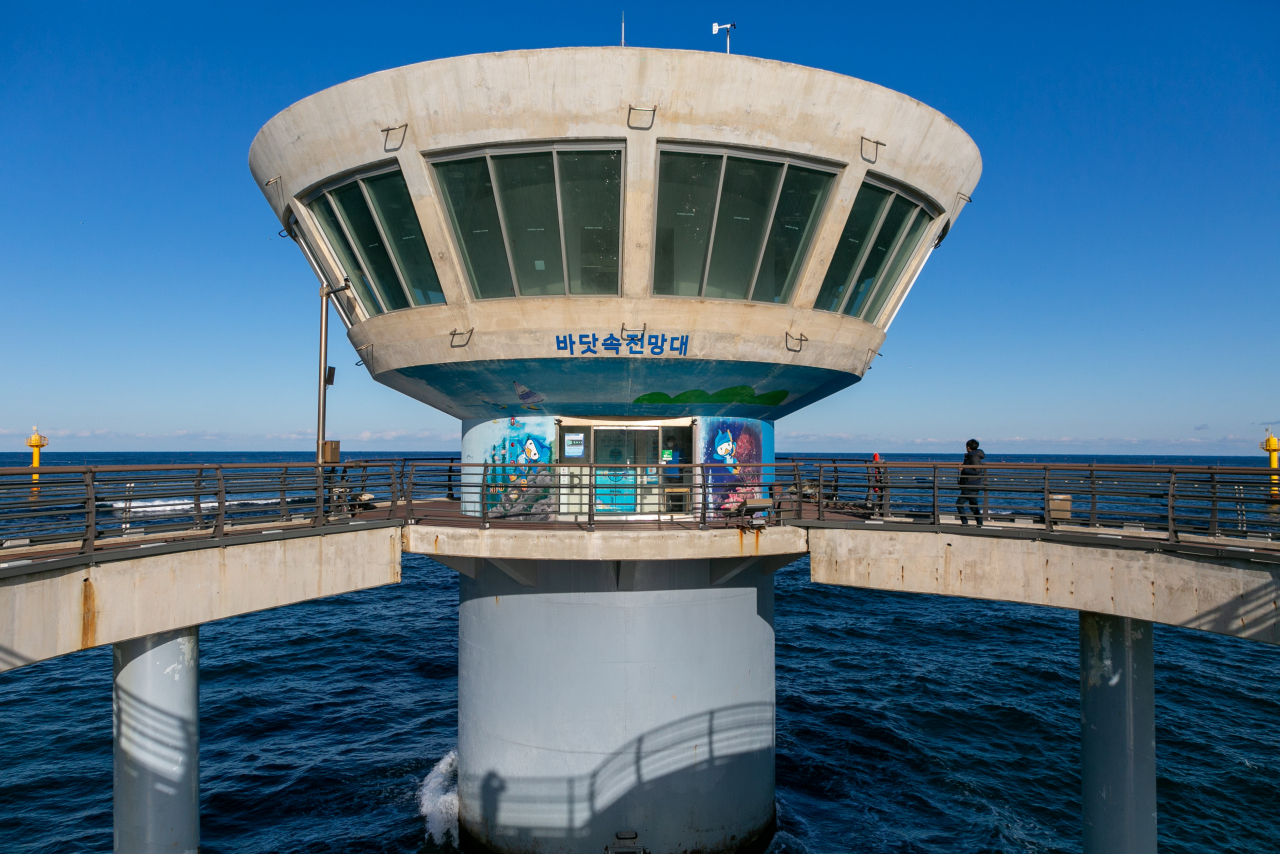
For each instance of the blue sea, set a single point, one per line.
(905, 723)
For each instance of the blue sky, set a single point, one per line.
(1113, 288)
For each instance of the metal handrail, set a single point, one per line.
(87, 510)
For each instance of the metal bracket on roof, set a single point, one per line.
(798, 341)
(961, 201)
(390, 142)
(641, 118)
(866, 365)
(455, 335)
(279, 188)
(875, 149)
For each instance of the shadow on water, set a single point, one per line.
(703, 782)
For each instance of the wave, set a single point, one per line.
(438, 799)
(178, 505)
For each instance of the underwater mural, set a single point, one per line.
(733, 450)
(520, 481)
(653, 388)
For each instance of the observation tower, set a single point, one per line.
(626, 258)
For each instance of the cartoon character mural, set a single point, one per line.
(519, 481)
(732, 450)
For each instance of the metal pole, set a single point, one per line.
(156, 741)
(324, 370)
(326, 292)
(1117, 735)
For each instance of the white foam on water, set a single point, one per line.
(177, 505)
(438, 799)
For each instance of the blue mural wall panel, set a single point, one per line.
(736, 452)
(519, 481)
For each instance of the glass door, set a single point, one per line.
(627, 477)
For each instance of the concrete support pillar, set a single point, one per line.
(156, 738)
(615, 706)
(1117, 735)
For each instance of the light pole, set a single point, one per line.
(716, 28)
(326, 372)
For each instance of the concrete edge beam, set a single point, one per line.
(47, 614)
(1235, 598)
(678, 544)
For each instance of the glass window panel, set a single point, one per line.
(894, 220)
(395, 211)
(364, 232)
(468, 194)
(844, 260)
(591, 201)
(686, 200)
(900, 258)
(794, 220)
(745, 198)
(527, 191)
(351, 267)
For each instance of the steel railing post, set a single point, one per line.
(821, 494)
(1213, 504)
(1093, 497)
(591, 497)
(90, 513)
(799, 487)
(319, 520)
(284, 504)
(1048, 512)
(886, 499)
(484, 496)
(396, 480)
(1172, 525)
(221, 523)
(937, 518)
(702, 494)
(197, 512)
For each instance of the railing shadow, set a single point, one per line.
(1252, 615)
(703, 778)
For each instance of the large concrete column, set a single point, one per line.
(1117, 735)
(615, 706)
(156, 735)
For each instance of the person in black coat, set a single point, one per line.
(971, 481)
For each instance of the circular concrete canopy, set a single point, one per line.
(697, 355)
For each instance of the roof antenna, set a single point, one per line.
(624, 29)
(716, 28)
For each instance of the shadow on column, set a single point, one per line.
(703, 782)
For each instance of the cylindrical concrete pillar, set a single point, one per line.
(156, 737)
(610, 706)
(1117, 735)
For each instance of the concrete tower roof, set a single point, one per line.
(451, 348)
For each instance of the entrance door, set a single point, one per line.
(627, 481)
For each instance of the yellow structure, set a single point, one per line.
(1272, 446)
(35, 442)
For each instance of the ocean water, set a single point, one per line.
(905, 723)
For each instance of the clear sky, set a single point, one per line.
(1113, 288)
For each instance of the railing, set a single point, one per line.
(752, 495)
(1177, 501)
(87, 510)
(82, 514)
